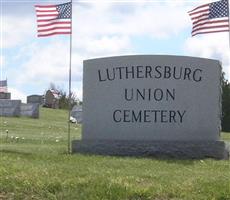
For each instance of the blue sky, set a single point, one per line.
(100, 29)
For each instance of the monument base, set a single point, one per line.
(158, 149)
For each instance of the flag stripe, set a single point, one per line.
(53, 19)
(47, 22)
(210, 23)
(210, 27)
(45, 6)
(53, 33)
(50, 22)
(214, 31)
(47, 15)
(46, 11)
(205, 15)
(210, 18)
(52, 29)
(200, 11)
(200, 21)
(202, 6)
(41, 10)
(53, 23)
(47, 18)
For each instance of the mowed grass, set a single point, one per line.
(34, 164)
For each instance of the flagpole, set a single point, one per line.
(70, 63)
(229, 22)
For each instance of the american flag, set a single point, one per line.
(210, 18)
(3, 86)
(53, 19)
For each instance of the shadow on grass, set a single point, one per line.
(166, 159)
(10, 151)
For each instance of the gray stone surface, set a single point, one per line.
(29, 110)
(140, 98)
(10, 108)
(35, 99)
(146, 105)
(5, 95)
(159, 149)
(76, 113)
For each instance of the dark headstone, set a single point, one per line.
(10, 108)
(35, 99)
(30, 110)
(5, 95)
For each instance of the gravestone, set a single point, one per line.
(5, 95)
(10, 108)
(76, 113)
(30, 110)
(35, 99)
(152, 106)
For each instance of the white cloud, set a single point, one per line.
(97, 20)
(17, 29)
(99, 30)
(3, 74)
(105, 45)
(2, 61)
(152, 19)
(212, 46)
(78, 92)
(17, 94)
(47, 62)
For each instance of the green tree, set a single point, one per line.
(64, 100)
(64, 97)
(225, 123)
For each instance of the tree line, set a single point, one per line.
(64, 97)
(225, 121)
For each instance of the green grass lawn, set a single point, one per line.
(34, 165)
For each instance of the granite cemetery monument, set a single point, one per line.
(5, 95)
(15, 108)
(30, 110)
(152, 106)
(10, 108)
(37, 99)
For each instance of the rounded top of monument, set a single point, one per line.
(153, 60)
(149, 56)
